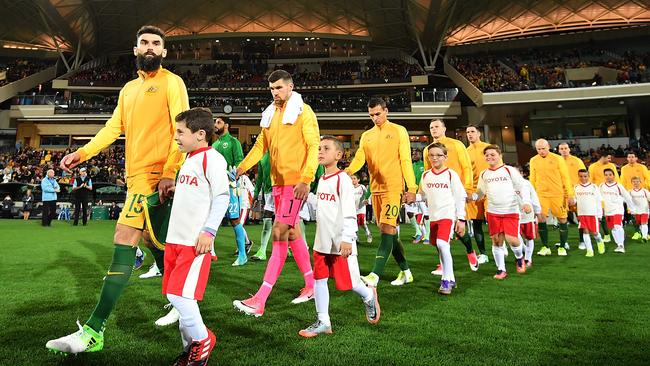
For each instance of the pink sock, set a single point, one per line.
(301, 255)
(273, 269)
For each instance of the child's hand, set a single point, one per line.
(527, 208)
(346, 249)
(204, 243)
(460, 228)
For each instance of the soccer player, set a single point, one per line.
(500, 184)
(614, 194)
(335, 250)
(246, 190)
(590, 210)
(640, 197)
(573, 164)
(630, 170)
(387, 150)
(528, 222)
(476, 209)
(550, 178)
(263, 185)
(230, 148)
(361, 195)
(145, 114)
(445, 195)
(290, 134)
(457, 160)
(413, 210)
(597, 177)
(201, 199)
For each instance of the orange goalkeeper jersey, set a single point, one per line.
(387, 150)
(145, 114)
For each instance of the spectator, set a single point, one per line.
(50, 188)
(28, 204)
(114, 211)
(81, 187)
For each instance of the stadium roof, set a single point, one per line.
(103, 26)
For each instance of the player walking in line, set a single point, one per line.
(445, 195)
(590, 210)
(290, 134)
(413, 211)
(361, 195)
(640, 197)
(476, 209)
(145, 114)
(550, 178)
(528, 222)
(500, 184)
(614, 194)
(201, 199)
(387, 150)
(628, 171)
(457, 160)
(230, 148)
(335, 250)
(597, 177)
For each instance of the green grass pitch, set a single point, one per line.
(563, 311)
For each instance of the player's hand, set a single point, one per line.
(527, 208)
(70, 161)
(239, 172)
(233, 174)
(165, 189)
(408, 198)
(300, 191)
(346, 249)
(572, 201)
(460, 228)
(204, 243)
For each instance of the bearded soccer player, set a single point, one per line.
(550, 178)
(290, 133)
(230, 148)
(573, 164)
(597, 177)
(457, 160)
(387, 150)
(145, 114)
(476, 209)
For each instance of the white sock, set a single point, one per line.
(518, 251)
(499, 259)
(587, 240)
(365, 226)
(185, 338)
(528, 250)
(598, 237)
(619, 235)
(504, 249)
(427, 226)
(445, 258)
(415, 225)
(322, 299)
(191, 319)
(364, 292)
(423, 230)
(644, 230)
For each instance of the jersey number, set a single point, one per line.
(391, 210)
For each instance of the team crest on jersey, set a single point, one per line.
(152, 89)
(224, 145)
(188, 179)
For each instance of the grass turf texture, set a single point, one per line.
(564, 311)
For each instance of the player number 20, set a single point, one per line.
(391, 210)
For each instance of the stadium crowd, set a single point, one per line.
(17, 69)
(252, 74)
(545, 69)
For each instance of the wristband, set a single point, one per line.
(208, 233)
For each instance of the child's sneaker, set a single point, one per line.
(200, 350)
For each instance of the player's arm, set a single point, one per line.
(349, 229)
(358, 160)
(520, 185)
(566, 180)
(592, 174)
(255, 154)
(624, 177)
(534, 200)
(178, 102)
(646, 177)
(616, 176)
(217, 177)
(425, 158)
(311, 135)
(259, 181)
(113, 128)
(627, 198)
(481, 188)
(405, 160)
(532, 174)
(466, 166)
